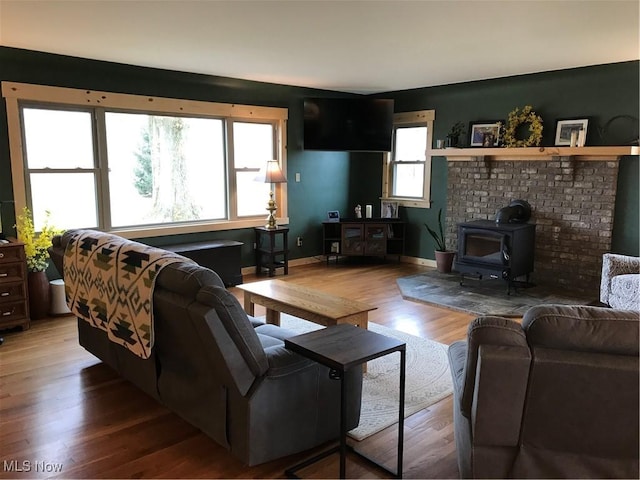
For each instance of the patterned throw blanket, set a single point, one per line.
(109, 283)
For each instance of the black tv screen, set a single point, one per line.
(348, 124)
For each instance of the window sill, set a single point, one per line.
(404, 202)
(148, 232)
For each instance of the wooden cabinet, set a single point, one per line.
(353, 239)
(363, 237)
(14, 299)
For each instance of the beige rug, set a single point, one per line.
(428, 379)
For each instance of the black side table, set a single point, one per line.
(340, 348)
(271, 254)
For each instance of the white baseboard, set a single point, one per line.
(308, 260)
(425, 262)
(297, 262)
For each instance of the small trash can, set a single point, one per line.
(58, 299)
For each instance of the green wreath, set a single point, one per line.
(516, 119)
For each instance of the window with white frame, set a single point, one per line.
(146, 172)
(407, 176)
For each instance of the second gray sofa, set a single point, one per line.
(554, 397)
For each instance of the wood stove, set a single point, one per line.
(497, 250)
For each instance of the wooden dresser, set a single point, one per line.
(14, 300)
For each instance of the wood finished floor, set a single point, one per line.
(60, 406)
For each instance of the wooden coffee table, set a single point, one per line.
(318, 307)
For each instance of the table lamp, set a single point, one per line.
(273, 174)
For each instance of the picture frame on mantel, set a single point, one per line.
(565, 135)
(485, 133)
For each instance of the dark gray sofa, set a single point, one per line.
(553, 397)
(224, 372)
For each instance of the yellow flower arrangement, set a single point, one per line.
(517, 118)
(35, 246)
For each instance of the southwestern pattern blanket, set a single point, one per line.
(109, 283)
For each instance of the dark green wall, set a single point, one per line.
(339, 181)
(599, 93)
(324, 175)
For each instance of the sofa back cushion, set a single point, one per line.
(581, 416)
(581, 411)
(583, 329)
(238, 326)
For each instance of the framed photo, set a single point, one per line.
(485, 133)
(333, 216)
(389, 209)
(566, 129)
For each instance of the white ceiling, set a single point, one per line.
(352, 46)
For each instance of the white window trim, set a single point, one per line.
(14, 92)
(420, 117)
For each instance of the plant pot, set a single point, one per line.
(444, 260)
(39, 296)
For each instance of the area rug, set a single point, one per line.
(480, 297)
(427, 378)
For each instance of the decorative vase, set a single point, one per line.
(444, 261)
(39, 296)
(452, 141)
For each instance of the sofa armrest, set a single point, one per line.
(625, 292)
(612, 265)
(486, 331)
(284, 362)
(499, 394)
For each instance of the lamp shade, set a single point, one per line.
(273, 173)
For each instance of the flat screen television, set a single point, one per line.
(348, 124)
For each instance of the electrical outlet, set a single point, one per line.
(299, 241)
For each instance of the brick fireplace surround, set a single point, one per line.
(572, 205)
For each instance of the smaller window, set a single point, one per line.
(408, 172)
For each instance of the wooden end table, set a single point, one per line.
(271, 254)
(341, 348)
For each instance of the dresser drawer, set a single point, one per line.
(12, 292)
(11, 253)
(11, 273)
(12, 311)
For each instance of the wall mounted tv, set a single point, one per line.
(348, 124)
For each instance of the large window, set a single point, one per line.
(146, 172)
(408, 166)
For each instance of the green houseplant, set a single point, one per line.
(444, 257)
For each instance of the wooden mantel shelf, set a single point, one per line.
(584, 154)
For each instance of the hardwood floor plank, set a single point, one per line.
(61, 405)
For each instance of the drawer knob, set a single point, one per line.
(1, 255)
(4, 294)
(4, 275)
(7, 313)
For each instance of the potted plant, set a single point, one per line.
(35, 249)
(444, 257)
(454, 134)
